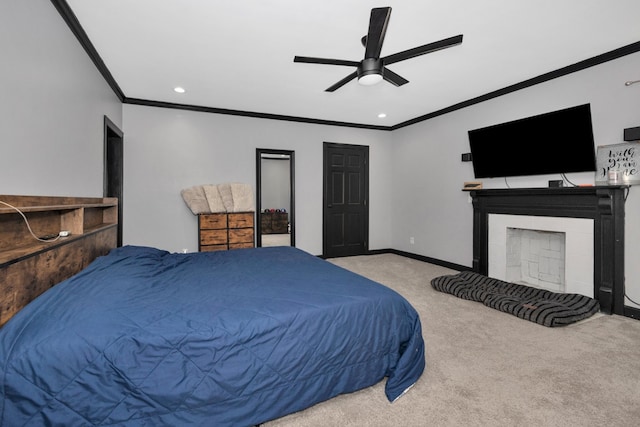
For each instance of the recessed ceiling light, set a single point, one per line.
(382, 115)
(179, 89)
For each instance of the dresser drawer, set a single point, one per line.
(240, 245)
(240, 235)
(213, 237)
(213, 248)
(213, 221)
(241, 220)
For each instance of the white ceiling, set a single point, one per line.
(238, 55)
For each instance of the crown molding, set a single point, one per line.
(74, 25)
(189, 107)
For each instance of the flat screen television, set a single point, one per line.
(552, 143)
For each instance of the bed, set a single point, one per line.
(147, 337)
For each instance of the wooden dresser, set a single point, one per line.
(223, 231)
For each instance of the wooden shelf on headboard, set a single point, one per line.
(28, 266)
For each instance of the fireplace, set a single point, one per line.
(535, 257)
(552, 253)
(600, 208)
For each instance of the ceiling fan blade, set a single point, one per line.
(377, 30)
(311, 60)
(394, 78)
(421, 50)
(342, 82)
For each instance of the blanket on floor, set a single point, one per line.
(536, 305)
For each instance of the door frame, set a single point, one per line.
(325, 188)
(292, 191)
(113, 173)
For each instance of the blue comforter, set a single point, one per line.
(145, 337)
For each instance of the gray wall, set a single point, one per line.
(428, 173)
(52, 105)
(168, 150)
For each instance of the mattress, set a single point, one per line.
(147, 337)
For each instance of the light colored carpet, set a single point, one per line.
(488, 368)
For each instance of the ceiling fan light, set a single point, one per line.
(370, 71)
(370, 79)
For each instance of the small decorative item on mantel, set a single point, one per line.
(618, 164)
(472, 185)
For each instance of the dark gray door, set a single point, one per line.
(346, 193)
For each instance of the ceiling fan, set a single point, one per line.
(372, 68)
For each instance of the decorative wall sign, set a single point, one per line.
(618, 164)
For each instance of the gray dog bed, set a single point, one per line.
(536, 305)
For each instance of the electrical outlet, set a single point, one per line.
(412, 240)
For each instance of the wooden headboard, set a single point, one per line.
(28, 266)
